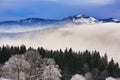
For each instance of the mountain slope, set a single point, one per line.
(28, 22)
(110, 20)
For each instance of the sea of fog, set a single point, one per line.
(103, 37)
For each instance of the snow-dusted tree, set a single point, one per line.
(1, 69)
(16, 68)
(51, 71)
(89, 76)
(78, 77)
(111, 78)
(4, 79)
(35, 60)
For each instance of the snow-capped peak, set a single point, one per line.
(79, 15)
(115, 19)
(83, 19)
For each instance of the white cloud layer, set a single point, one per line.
(101, 37)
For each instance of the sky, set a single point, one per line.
(58, 9)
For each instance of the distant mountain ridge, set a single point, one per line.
(76, 19)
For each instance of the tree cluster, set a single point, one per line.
(69, 61)
(30, 66)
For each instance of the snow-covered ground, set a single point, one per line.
(4, 79)
(111, 78)
(81, 77)
(78, 77)
(103, 37)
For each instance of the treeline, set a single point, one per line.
(71, 62)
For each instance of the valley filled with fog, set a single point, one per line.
(103, 37)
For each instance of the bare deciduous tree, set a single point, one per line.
(16, 68)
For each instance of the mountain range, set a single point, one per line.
(76, 19)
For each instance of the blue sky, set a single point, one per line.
(57, 9)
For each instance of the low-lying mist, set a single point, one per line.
(16, 29)
(103, 37)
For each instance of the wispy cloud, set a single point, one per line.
(8, 3)
(101, 2)
(86, 2)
